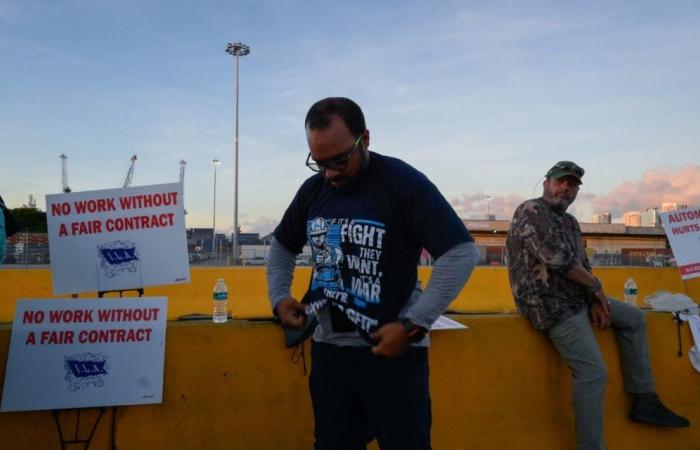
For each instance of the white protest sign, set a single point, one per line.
(85, 353)
(117, 238)
(683, 231)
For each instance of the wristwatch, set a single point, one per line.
(416, 333)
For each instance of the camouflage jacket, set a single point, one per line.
(542, 245)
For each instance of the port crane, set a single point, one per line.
(130, 173)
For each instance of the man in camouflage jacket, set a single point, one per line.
(555, 289)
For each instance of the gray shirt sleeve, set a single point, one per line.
(280, 271)
(450, 273)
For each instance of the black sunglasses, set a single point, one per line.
(338, 163)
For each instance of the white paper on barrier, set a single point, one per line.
(694, 322)
(117, 239)
(445, 323)
(84, 353)
(694, 354)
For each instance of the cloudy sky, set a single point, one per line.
(482, 96)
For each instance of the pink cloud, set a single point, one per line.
(657, 186)
(475, 206)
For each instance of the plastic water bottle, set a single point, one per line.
(631, 291)
(220, 302)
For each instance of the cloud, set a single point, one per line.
(476, 206)
(262, 224)
(658, 185)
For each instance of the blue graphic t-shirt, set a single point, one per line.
(366, 243)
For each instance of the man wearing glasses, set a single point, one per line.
(370, 363)
(555, 289)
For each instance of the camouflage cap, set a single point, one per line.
(564, 168)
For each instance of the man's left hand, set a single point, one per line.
(392, 340)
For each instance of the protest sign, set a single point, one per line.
(683, 231)
(85, 353)
(117, 239)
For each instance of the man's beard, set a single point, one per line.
(348, 184)
(559, 203)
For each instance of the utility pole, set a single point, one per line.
(236, 49)
(64, 173)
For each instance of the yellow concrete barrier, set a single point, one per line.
(488, 289)
(496, 385)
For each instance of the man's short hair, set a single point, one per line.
(320, 113)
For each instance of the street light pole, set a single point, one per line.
(236, 49)
(215, 162)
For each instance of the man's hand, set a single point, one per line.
(600, 311)
(291, 313)
(392, 340)
(601, 298)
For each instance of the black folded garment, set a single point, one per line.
(296, 336)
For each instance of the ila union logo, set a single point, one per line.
(85, 369)
(117, 257)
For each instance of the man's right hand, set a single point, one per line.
(291, 313)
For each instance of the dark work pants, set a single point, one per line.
(354, 392)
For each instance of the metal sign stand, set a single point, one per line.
(76, 440)
(55, 413)
(679, 322)
(100, 294)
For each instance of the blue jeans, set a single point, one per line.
(355, 393)
(575, 340)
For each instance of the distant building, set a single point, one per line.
(602, 218)
(672, 206)
(605, 244)
(198, 232)
(201, 240)
(632, 219)
(248, 239)
(650, 218)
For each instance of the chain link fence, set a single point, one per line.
(30, 249)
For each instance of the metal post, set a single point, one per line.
(235, 181)
(215, 162)
(236, 49)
